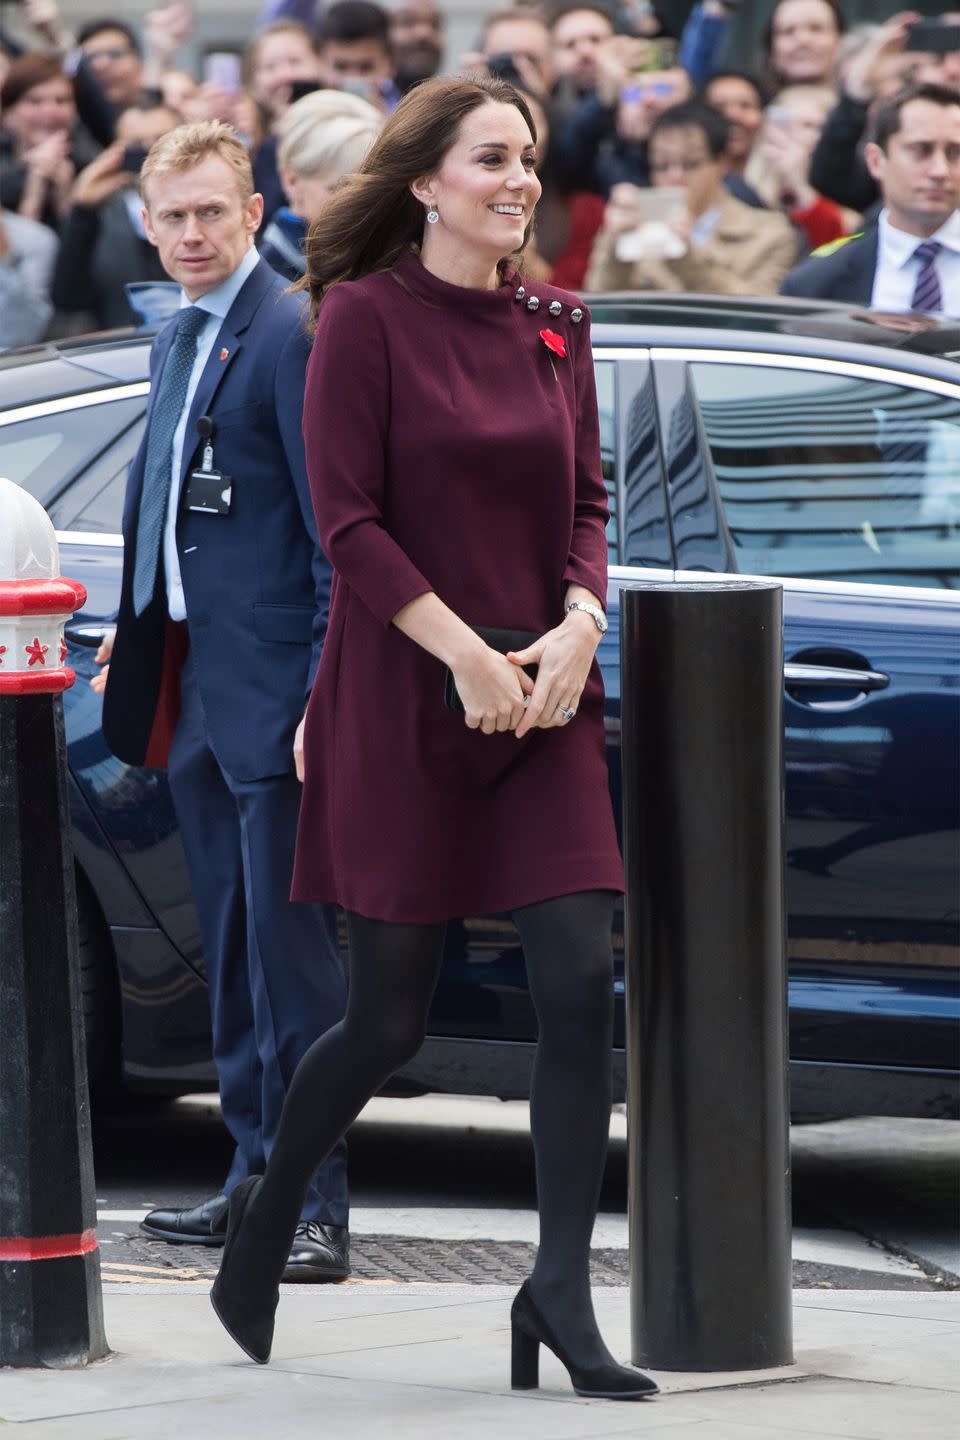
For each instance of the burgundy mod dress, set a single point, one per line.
(449, 450)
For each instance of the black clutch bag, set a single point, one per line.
(502, 640)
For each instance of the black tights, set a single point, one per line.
(393, 974)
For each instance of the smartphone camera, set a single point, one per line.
(502, 67)
(933, 37)
(133, 158)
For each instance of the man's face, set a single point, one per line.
(200, 223)
(577, 36)
(355, 60)
(919, 172)
(682, 157)
(115, 64)
(416, 37)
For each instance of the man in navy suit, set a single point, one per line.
(910, 260)
(222, 616)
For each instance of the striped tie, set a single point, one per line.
(927, 294)
(164, 418)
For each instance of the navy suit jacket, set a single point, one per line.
(846, 273)
(256, 582)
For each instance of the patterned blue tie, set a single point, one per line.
(164, 418)
(927, 294)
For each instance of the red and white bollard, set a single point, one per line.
(51, 1304)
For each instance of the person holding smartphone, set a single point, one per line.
(906, 49)
(103, 245)
(687, 232)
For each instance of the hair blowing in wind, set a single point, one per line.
(372, 217)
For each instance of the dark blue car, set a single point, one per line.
(767, 438)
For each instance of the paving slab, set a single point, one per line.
(363, 1361)
(852, 1409)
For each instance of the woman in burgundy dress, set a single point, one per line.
(451, 428)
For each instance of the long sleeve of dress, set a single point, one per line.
(587, 562)
(346, 415)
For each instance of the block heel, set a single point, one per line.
(524, 1359)
(529, 1330)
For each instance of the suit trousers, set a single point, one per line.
(274, 974)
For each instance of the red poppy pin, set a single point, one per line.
(556, 345)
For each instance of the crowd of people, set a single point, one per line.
(664, 165)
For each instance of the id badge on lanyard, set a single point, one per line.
(208, 491)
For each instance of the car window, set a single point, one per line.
(606, 374)
(95, 501)
(834, 477)
(45, 452)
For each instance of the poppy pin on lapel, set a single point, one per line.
(224, 353)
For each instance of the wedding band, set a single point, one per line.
(526, 701)
(567, 714)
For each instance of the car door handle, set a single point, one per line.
(798, 676)
(87, 634)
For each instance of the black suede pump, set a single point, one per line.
(529, 1330)
(250, 1324)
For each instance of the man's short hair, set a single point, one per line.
(99, 27)
(694, 114)
(747, 76)
(570, 7)
(889, 114)
(189, 145)
(350, 20)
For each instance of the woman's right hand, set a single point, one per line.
(492, 691)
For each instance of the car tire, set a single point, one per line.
(98, 990)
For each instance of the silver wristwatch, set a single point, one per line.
(599, 619)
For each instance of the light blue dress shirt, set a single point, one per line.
(217, 302)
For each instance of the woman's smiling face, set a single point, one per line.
(486, 189)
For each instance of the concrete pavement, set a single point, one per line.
(363, 1361)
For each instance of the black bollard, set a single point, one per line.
(707, 1052)
(51, 1307)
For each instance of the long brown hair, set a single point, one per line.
(372, 217)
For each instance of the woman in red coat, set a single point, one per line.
(451, 428)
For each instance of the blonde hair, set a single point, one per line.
(188, 145)
(327, 133)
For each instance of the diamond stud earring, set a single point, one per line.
(432, 216)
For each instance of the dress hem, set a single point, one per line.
(501, 904)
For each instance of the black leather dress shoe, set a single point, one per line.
(319, 1252)
(205, 1224)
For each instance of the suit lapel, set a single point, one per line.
(226, 347)
(862, 256)
(210, 382)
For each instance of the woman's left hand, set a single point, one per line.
(563, 657)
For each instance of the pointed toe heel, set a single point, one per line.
(249, 1324)
(529, 1330)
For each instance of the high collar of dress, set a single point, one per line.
(428, 286)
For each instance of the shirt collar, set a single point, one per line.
(899, 247)
(217, 302)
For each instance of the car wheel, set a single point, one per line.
(98, 990)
